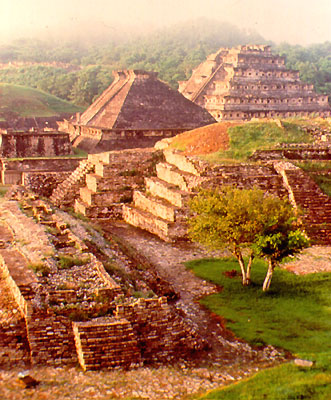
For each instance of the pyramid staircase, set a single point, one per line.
(305, 194)
(162, 209)
(97, 198)
(70, 185)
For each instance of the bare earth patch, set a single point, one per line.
(313, 259)
(205, 140)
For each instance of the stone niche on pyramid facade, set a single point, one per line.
(136, 110)
(250, 82)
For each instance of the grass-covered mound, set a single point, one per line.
(251, 136)
(294, 315)
(20, 101)
(233, 141)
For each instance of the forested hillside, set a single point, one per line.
(172, 52)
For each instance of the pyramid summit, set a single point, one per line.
(248, 82)
(138, 100)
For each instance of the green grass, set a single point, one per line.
(318, 170)
(248, 137)
(27, 102)
(4, 189)
(293, 315)
(284, 382)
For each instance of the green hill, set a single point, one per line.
(20, 101)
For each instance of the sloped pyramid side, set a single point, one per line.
(202, 75)
(138, 100)
(104, 110)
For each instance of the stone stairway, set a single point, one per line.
(69, 186)
(162, 209)
(115, 175)
(97, 199)
(316, 205)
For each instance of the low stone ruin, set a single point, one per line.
(61, 305)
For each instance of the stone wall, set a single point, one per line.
(106, 343)
(43, 183)
(95, 140)
(14, 349)
(40, 164)
(24, 144)
(162, 335)
(29, 172)
(293, 153)
(51, 338)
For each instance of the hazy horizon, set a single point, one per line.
(292, 21)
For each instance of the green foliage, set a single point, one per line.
(3, 190)
(277, 246)
(172, 52)
(40, 268)
(293, 315)
(313, 63)
(236, 218)
(27, 102)
(67, 262)
(246, 138)
(225, 218)
(275, 384)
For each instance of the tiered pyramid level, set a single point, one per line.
(250, 82)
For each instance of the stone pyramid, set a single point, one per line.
(137, 100)
(250, 82)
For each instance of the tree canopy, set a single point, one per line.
(241, 219)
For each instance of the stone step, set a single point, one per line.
(98, 212)
(171, 174)
(104, 170)
(98, 184)
(99, 198)
(167, 191)
(159, 207)
(183, 162)
(165, 230)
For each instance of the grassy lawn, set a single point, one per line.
(294, 315)
(28, 102)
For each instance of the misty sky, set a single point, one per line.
(295, 21)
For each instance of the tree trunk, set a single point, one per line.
(241, 262)
(249, 268)
(267, 280)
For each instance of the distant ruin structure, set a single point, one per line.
(21, 144)
(248, 82)
(136, 110)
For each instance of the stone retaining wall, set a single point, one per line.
(106, 343)
(162, 335)
(14, 349)
(51, 338)
(292, 153)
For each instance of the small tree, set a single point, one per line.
(237, 219)
(280, 237)
(227, 218)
